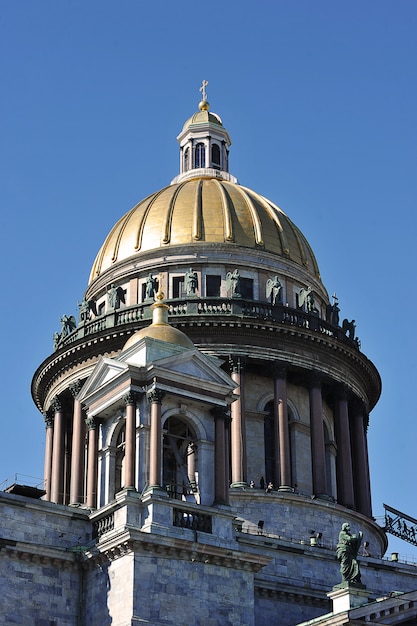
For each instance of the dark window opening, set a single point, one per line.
(215, 156)
(186, 160)
(178, 287)
(200, 155)
(246, 288)
(213, 284)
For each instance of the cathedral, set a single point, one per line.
(206, 415)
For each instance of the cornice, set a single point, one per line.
(267, 340)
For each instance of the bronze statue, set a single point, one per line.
(349, 328)
(191, 282)
(151, 287)
(347, 551)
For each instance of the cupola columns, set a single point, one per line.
(317, 437)
(281, 427)
(155, 467)
(345, 490)
(204, 144)
(77, 456)
(57, 477)
(130, 453)
(238, 426)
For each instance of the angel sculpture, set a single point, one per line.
(273, 287)
(68, 325)
(233, 283)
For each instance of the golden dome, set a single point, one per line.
(203, 116)
(202, 211)
(160, 328)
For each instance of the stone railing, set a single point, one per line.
(103, 525)
(192, 520)
(212, 307)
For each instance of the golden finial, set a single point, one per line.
(160, 294)
(204, 105)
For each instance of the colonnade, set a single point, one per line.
(352, 469)
(71, 467)
(82, 472)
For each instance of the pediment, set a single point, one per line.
(104, 372)
(149, 350)
(194, 364)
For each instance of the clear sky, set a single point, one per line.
(320, 100)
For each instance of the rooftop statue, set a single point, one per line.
(273, 287)
(347, 551)
(233, 283)
(191, 282)
(151, 287)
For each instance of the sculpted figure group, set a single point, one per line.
(305, 301)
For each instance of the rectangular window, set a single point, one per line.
(246, 288)
(178, 287)
(213, 286)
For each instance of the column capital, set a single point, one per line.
(91, 423)
(342, 391)
(220, 413)
(130, 397)
(315, 380)
(279, 370)
(75, 388)
(56, 404)
(49, 419)
(155, 395)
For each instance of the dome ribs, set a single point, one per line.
(104, 248)
(152, 199)
(198, 212)
(166, 235)
(122, 230)
(256, 222)
(204, 210)
(227, 216)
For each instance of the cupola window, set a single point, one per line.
(200, 155)
(215, 156)
(186, 160)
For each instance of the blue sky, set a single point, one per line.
(320, 100)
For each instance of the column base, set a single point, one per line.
(323, 496)
(155, 490)
(286, 488)
(239, 485)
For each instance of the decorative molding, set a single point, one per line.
(91, 423)
(56, 404)
(49, 419)
(155, 395)
(130, 397)
(75, 388)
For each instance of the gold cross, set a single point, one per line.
(203, 89)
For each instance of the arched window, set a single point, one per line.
(186, 160)
(215, 156)
(200, 155)
(180, 451)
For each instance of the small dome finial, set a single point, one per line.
(204, 105)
